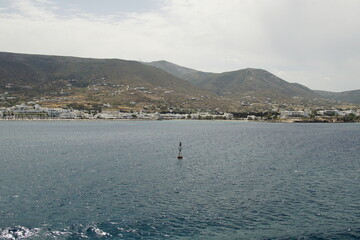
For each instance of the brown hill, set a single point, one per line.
(345, 97)
(118, 82)
(237, 84)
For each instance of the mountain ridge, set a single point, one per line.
(239, 83)
(352, 96)
(117, 81)
(266, 84)
(136, 84)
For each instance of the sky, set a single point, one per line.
(312, 42)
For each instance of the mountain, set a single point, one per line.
(58, 81)
(188, 74)
(173, 69)
(239, 84)
(86, 80)
(347, 96)
(254, 82)
(39, 70)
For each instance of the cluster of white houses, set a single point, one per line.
(329, 112)
(37, 112)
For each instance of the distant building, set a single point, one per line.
(157, 116)
(251, 117)
(29, 114)
(228, 115)
(294, 114)
(332, 112)
(9, 85)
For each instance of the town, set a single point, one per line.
(33, 111)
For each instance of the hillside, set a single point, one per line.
(347, 96)
(173, 69)
(251, 82)
(37, 70)
(58, 81)
(188, 74)
(254, 82)
(96, 81)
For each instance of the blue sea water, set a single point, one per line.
(122, 180)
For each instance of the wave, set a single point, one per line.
(22, 232)
(113, 230)
(18, 232)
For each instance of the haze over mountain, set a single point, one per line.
(213, 35)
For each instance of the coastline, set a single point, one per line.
(203, 120)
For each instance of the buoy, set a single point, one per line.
(180, 148)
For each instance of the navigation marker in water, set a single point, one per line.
(180, 148)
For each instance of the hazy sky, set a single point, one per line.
(312, 42)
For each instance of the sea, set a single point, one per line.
(122, 180)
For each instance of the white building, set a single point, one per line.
(332, 112)
(294, 114)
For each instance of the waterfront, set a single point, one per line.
(122, 180)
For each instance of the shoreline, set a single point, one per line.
(203, 120)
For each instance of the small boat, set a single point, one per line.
(180, 148)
